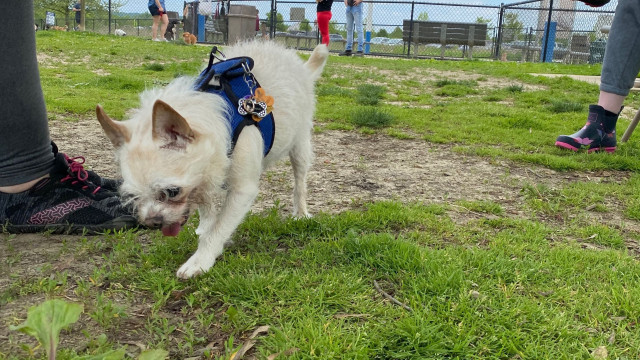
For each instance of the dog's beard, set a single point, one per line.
(156, 211)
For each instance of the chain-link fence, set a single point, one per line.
(572, 32)
(536, 30)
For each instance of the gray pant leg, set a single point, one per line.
(622, 56)
(25, 146)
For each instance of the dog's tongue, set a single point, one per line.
(171, 230)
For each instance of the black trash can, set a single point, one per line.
(596, 51)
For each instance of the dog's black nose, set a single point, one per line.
(154, 222)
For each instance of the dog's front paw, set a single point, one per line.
(196, 265)
(304, 215)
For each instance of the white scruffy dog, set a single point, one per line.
(173, 151)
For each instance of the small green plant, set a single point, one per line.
(559, 106)
(154, 67)
(371, 117)
(369, 94)
(515, 88)
(45, 321)
(445, 82)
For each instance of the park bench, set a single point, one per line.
(579, 49)
(415, 32)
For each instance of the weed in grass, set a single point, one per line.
(106, 313)
(487, 207)
(371, 117)
(456, 88)
(559, 106)
(45, 322)
(515, 88)
(494, 97)
(153, 67)
(370, 94)
(398, 134)
(332, 90)
(445, 82)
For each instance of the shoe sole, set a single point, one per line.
(573, 148)
(566, 146)
(117, 224)
(610, 150)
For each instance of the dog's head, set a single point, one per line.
(171, 157)
(185, 35)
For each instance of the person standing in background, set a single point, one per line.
(354, 15)
(77, 9)
(323, 16)
(159, 13)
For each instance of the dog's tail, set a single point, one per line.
(317, 60)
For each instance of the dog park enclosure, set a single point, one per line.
(515, 31)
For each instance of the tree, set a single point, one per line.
(62, 8)
(280, 25)
(334, 27)
(423, 16)
(383, 33)
(512, 28)
(305, 25)
(396, 33)
(481, 20)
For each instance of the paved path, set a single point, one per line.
(587, 78)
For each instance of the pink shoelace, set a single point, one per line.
(81, 175)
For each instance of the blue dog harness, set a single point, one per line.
(237, 86)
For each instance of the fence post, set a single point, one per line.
(499, 38)
(272, 25)
(547, 32)
(109, 17)
(413, 5)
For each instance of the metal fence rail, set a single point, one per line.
(535, 30)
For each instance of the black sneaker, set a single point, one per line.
(64, 203)
(345, 53)
(359, 53)
(88, 175)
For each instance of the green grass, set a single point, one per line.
(371, 117)
(370, 94)
(553, 275)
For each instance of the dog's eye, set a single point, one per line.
(169, 193)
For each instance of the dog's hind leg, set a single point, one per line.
(301, 156)
(243, 180)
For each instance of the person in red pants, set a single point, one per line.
(323, 17)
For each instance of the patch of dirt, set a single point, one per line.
(351, 168)
(425, 75)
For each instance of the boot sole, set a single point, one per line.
(564, 145)
(610, 150)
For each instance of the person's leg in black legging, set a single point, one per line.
(40, 188)
(25, 147)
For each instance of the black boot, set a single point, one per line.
(599, 133)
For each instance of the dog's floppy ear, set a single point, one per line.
(170, 128)
(116, 132)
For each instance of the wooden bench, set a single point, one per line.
(444, 33)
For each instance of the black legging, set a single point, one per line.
(25, 146)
